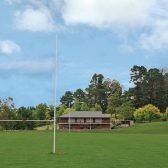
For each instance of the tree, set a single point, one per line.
(126, 110)
(84, 107)
(112, 87)
(166, 89)
(77, 105)
(97, 107)
(114, 103)
(140, 92)
(40, 111)
(149, 87)
(156, 88)
(24, 113)
(97, 92)
(67, 99)
(7, 112)
(80, 95)
(61, 110)
(147, 113)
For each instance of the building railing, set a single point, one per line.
(85, 122)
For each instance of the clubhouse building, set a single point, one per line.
(84, 120)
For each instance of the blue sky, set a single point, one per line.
(94, 36)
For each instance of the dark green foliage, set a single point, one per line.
(67, 99)
(80, 95)
(8, 111)
(24, 113)
(150, 87)
(95, 96)
(97, 92)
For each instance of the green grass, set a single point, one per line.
(141, 146)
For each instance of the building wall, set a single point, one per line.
(85, 123)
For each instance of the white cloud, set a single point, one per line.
(147, 18)
(8, 47)
(157, 38)
(107, 13)
(123, 17)
(28, 65)
(39, 19)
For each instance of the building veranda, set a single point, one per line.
(84, 120)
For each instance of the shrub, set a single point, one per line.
(165, 115)
(147, 113)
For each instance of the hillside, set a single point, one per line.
(145, 128)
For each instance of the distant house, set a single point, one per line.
(84, 120)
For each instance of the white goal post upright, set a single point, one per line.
(55, 101)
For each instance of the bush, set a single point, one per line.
(165, 115)
(147, 113)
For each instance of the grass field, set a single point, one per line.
(141, 146)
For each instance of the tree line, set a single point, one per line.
(150, 86)
(8, 111)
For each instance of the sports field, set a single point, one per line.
(142, 146)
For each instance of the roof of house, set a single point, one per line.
(84, 114)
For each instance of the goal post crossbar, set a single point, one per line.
(26, 120)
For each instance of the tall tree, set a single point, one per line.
(114, 103)
(80, 95)
(139, 78)
(150, 87)
(112, 87)
(67, 99)
(166, 89)
(156, 88)
(97, 92)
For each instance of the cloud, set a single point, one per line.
(11, 2)
(145, 22)
(34, 19)
(107, 13)
(27, 65)
(8, 47)
(157, 38)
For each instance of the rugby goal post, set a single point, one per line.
(54, 120)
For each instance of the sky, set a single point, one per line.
(94, 36)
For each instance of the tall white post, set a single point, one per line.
(55, 78)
